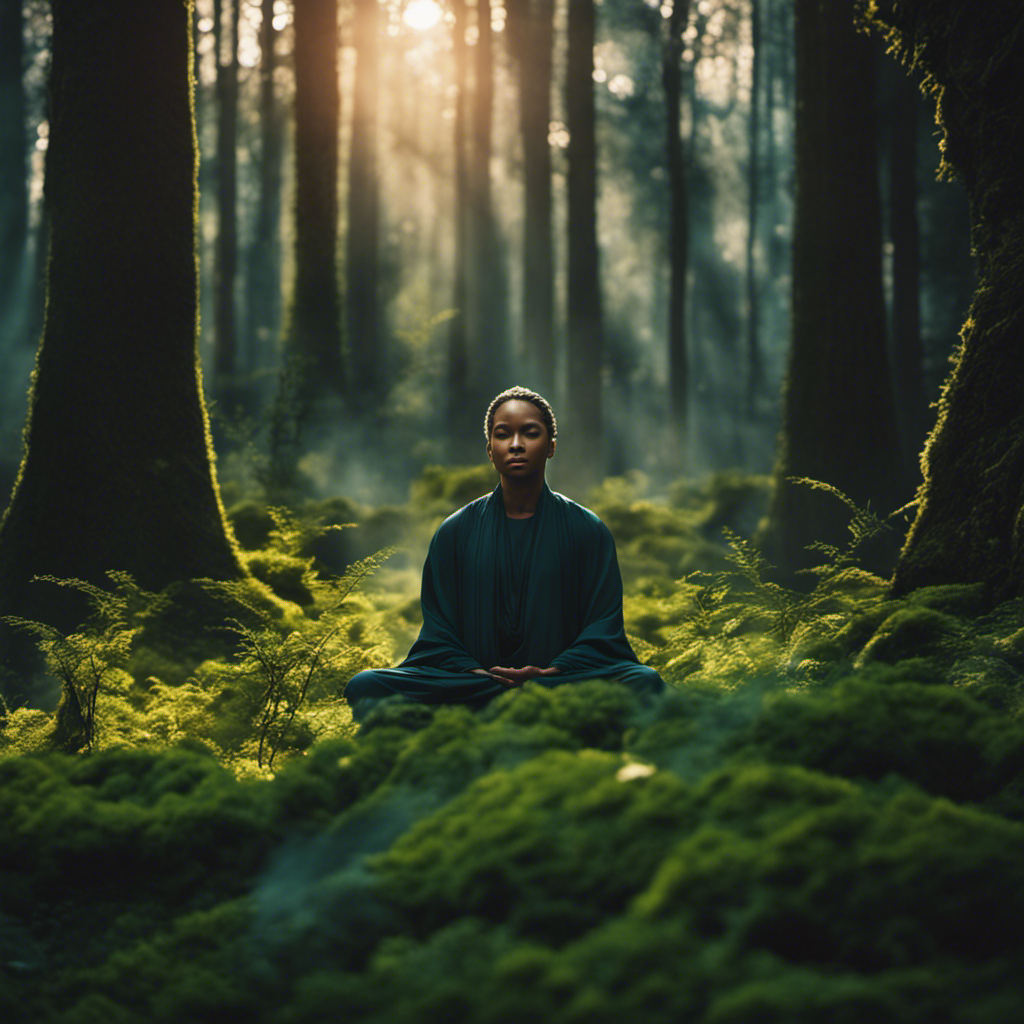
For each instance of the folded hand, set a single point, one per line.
(518, 676)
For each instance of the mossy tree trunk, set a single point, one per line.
(839, 421)
(970, 521)
(118, 470)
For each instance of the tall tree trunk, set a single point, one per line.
(678, 218)
(117, 471)
(969, 522)
(755, 368)
(458, 368)
(226, 258)
(314, 328)
(839, 421)
(776, 69)
(531, 33)
(263, 304)
(584, 328)
(13, 153)
(908, 351)
(488, 307)
(362, 301)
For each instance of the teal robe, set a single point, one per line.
(544, 591)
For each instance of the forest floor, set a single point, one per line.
(821, 820)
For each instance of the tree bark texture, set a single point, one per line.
(118, 470)
(362, 310)
(314, 329)
(839, 422)
(585, 343)
(970, 521)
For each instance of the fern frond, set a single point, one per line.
(820, 485)
(339, 588)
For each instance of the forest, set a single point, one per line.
(263, 264)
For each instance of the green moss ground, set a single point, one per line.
(822, 821)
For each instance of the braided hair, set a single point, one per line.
(523, 395)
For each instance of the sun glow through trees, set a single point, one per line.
(421, 14)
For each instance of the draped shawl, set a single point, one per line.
(567, 606)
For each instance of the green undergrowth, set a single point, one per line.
(822, 820)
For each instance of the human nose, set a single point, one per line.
(517, 445)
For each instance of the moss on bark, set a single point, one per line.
(970, 522)
(118, 468)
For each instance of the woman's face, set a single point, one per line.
(519, 447)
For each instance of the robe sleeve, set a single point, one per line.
(602, 639)
(440, 644)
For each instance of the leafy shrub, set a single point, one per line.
(443, 489)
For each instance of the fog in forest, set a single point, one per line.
(738, 746)
(448, 231)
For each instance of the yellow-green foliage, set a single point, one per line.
(440, 489)
(652, 536)
(278, 690)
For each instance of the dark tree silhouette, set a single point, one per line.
(678, 218)
(263, 299)
(226, 253)
(839, 422)
(363, 333)
(904, 232)
(458, 356)
(585, 343)
(969, 522)
(755, 367)
(13, 150)
(314, 327)
(531, 33)
(488, 296)
(117, 470)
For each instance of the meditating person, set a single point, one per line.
(520, 584)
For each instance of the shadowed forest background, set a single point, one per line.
(263, 263)
(405, 213)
